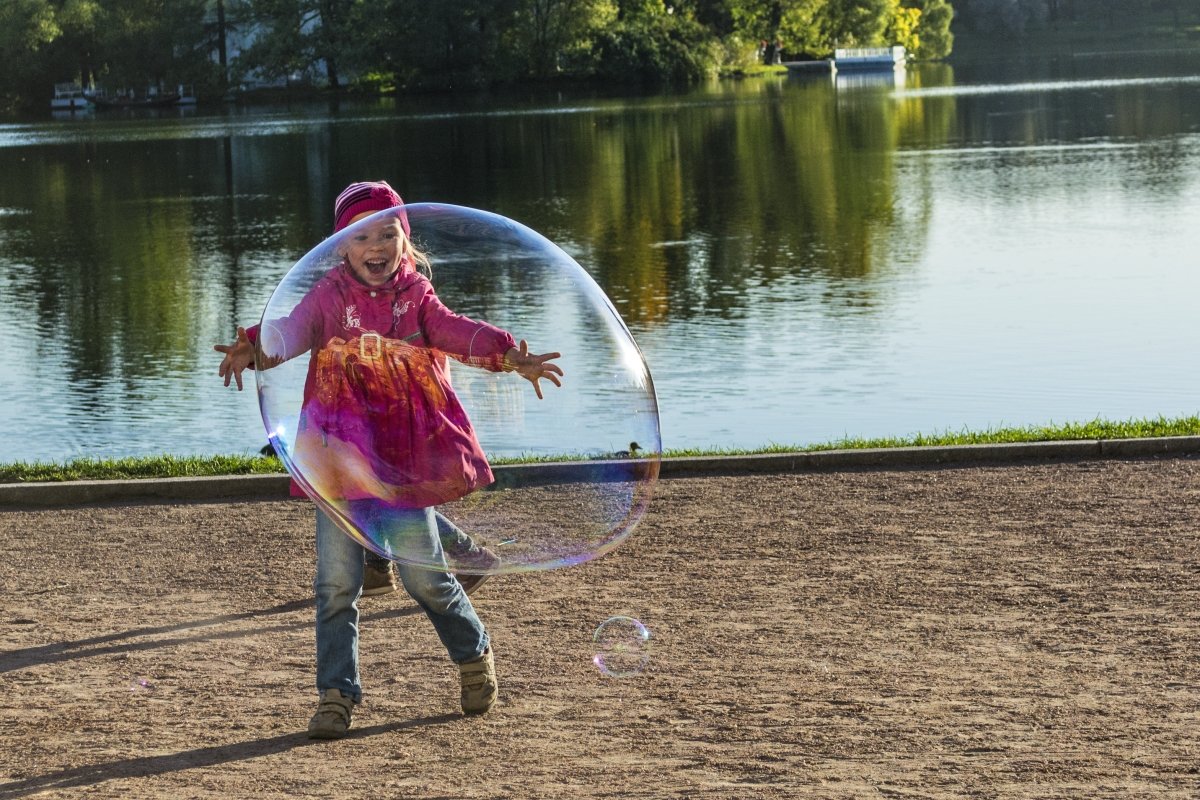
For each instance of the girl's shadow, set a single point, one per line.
(144, 638)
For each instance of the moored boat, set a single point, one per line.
(68, 97)
(851, 58)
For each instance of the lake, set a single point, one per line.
(799, 258)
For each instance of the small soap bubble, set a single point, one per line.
(622, 646)
(140, 686)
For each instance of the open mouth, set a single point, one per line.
(378, 266)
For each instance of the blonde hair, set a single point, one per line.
(418, 257)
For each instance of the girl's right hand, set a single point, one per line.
(238, 356)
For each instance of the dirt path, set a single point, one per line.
(1002, 631)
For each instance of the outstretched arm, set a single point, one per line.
(533, 367)
(238, 356)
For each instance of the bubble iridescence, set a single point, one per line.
(622, 646)
(596, 439)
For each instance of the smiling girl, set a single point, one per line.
(376, 303)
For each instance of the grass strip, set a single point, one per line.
(203, 466)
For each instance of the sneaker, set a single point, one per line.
(378, 579)
(480, 559)
(332, 719)
(478, 679)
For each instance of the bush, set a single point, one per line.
(656, 49)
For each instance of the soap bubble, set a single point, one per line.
(372, 423)
(140, 685)
(622, 647)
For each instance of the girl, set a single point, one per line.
(376, 296)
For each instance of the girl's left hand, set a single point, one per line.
(533, 367)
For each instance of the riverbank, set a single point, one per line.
(1003, 629)
(275, 486)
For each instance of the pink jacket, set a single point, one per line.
(405, 309)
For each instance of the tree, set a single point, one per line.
(904, 28)
(27, 27)
(650, 43)
(147, 42)
(293, 37)
(547, 30)
(78, 44)
(448, 44)
(804, 28)
(933, 30)
(760, 21)
(850, 23)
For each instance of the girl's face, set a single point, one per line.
(375, 251)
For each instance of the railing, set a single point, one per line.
(882, 53)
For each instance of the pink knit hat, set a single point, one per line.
(367, 196)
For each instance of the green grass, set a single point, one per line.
(1096, 429)
(753, 71)
(140, 467)
(179, 466)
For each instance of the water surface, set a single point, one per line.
(800, 259)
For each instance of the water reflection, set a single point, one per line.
(811, 227)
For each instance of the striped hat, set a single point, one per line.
(367, 196)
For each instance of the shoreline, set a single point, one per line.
(275, 486)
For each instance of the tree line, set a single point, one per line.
(396, 45)
(381, 45)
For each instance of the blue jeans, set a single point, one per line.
(454, 541)
(338, 586)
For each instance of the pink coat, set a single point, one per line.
(425, 451)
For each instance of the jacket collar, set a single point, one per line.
(398, 282)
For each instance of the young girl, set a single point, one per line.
(374, 295)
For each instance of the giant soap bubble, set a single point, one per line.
(372, 423)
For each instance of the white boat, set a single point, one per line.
(853, 58)
(68, 97)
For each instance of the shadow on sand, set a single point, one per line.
(142, 639)
(94, 774)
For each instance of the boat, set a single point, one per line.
(853, 59)
(869, 58)
(68, 97)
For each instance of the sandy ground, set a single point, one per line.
(995, 631)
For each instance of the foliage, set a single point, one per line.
(936, 39)
(551, 36)
(449, 44)
(903, 28)
(407, 44)
(816, 27)
(850, 23)
(803, 28)
(653, 46)
(27, 29)
(148, 42)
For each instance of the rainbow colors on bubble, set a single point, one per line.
(367, 439)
